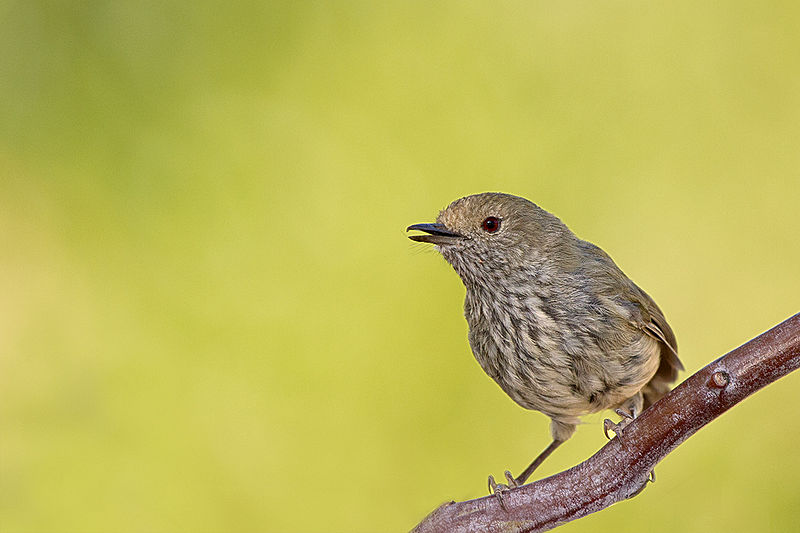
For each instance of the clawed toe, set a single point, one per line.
(624, 414)
(651, 478)
(608, 425)
(499, 488)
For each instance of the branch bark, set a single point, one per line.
(621, 468)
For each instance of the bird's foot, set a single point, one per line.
(651, 478)
(499, 488)
(618, 428)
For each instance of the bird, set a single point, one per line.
(552, 319)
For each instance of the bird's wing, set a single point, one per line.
(651, 320)
(646, 315)
(660, 330)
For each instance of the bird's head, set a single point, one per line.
(490, 235)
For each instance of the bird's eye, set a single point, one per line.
(491, 224)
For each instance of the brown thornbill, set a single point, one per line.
(552, 319)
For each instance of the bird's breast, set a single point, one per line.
(555, 361)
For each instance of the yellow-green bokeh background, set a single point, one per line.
(211, 319)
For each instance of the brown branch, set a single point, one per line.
(621, 468)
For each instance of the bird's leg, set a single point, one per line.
(561, 428)
(520, 479)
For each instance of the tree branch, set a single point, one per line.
(621, 468)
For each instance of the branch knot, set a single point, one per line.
(719, 379)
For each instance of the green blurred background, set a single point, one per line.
(211, 319)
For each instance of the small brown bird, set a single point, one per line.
(552, 319)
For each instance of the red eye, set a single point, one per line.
(491, 224)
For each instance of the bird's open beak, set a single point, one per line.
(439, 234)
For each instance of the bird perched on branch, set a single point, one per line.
(552, 319)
